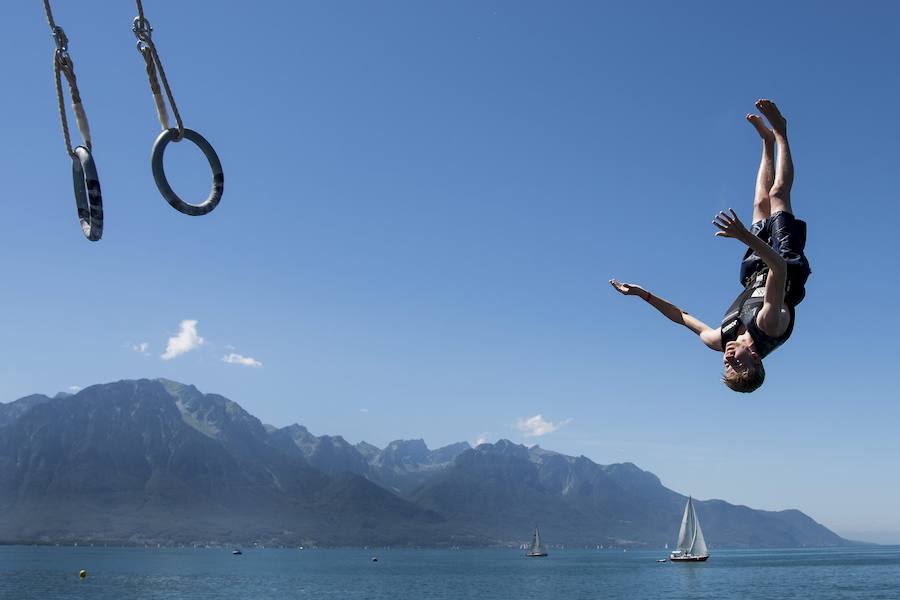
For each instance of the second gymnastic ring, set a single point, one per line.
(159, 174)
(88, 200)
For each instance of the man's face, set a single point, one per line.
(739, 357)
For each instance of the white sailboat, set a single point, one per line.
(537, 548)
(691, 545)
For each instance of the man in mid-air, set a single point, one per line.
(773, 272)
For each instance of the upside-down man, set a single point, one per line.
(773, 272)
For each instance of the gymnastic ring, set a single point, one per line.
(159, 174)
(88, 200)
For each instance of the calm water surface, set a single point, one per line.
(46, 573)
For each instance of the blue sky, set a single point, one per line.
(424, 202)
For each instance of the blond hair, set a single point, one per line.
(745, 381)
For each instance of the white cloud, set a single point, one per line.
(364, 410)
(74, 388)
(186, 340)
(537, 426)
(237, 359)
(482, 439)
(141, 348)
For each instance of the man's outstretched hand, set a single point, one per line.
(629, 289)
(730, 226)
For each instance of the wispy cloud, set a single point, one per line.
(185, 340)
(141, 348)
(537, 426)
(74, 388)
(237, 359)
(364, 410)
(482, 439)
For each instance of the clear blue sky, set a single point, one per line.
(424, 201)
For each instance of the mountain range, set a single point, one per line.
(156, 461)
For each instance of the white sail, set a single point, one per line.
(690, 536)
(699, 546)
(684, 532)
(536, 546)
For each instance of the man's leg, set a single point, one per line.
(780, 193)
(765, 177)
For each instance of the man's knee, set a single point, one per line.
(780, 194)
(761, 202)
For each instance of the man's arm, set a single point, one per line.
(709, 336)
(773, 317)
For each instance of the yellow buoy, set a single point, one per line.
(82, 573)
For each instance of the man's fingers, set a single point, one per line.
(721, 234)
(733, 214)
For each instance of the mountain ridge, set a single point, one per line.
(137, 461)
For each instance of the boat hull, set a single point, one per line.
(536, 554)
(688, 558)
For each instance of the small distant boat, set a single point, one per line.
(236, 551)
(536, 549)
(661, 560)
(374, 559)
(691, 546)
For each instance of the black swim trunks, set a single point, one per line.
(787, 236)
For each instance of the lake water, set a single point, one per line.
(45, 573)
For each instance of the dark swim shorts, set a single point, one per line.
(787, 236)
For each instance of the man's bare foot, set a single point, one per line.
(771, 112)
(767, 135)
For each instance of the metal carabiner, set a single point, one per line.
(142, 31)
(62, 45)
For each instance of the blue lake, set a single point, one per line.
(29, 572)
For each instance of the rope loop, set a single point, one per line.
(143, 31)
(88, 200)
